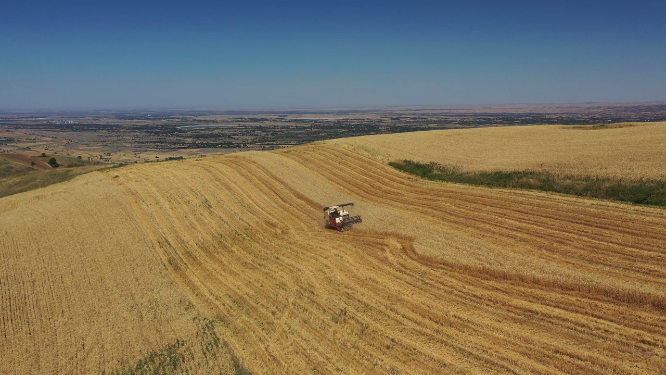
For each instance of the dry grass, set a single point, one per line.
(27, 159)
(620, 151)
(8, 168)
(27, 180)
(439, 278)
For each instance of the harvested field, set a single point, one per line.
(632, 152)
(27, 159)
(439, 278)
(81, 289)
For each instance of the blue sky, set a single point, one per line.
(298, 54)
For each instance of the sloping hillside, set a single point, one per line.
(80, 285)
(618, 150)
(437, 278)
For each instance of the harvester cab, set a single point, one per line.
(337, 217)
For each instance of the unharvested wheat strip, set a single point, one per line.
(630, 152)
(460, 195)
(611, 224)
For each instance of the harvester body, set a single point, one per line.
(339, 218)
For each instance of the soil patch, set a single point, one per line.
(27, 159)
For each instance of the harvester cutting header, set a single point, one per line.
(337, 217)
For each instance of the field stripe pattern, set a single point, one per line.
(551, 284)
(81, 289)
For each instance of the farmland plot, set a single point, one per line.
(438, 278)
(103, 272)
(634, 151)
(81, 289)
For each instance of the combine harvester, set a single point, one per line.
(337, 217)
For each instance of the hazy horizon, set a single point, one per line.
(278, 110)
(261, 55)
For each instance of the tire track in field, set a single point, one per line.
(293, 297)
(509, 223)
(399, 184)
(80, 288)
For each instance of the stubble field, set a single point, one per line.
(439, 278)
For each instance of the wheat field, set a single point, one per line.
(631, 150)
(439, 278)
(80, 284)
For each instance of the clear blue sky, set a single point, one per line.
(298, 54)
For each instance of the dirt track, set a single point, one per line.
(438, 278)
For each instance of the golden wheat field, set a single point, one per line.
(439, 278)
(629, 150)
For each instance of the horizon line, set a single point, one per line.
(268, 109)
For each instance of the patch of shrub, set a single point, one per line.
(643, 191)
(181, 357)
